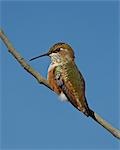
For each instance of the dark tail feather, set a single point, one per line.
(87, 110)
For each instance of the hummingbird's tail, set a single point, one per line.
(90, 113)
(87, 111)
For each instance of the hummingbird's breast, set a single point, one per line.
(52, 81)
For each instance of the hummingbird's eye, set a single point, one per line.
(57, 50)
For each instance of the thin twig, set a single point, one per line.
(22, 61)
(115, 132)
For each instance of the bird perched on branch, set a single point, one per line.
(65, 78)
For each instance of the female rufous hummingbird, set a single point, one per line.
(64, 77)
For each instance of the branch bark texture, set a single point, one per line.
(115, 132)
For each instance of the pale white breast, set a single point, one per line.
(52, 65)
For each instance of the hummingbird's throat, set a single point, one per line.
(55, 58)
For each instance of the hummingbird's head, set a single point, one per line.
(59, 52)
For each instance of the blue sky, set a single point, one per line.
(32, 117)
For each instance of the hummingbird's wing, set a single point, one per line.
(70, 80)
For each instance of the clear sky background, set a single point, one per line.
(32, 117)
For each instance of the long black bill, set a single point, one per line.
(46, 54)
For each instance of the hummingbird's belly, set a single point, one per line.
(62, 97)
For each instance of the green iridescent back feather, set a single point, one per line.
(70, 73)
(74, 82)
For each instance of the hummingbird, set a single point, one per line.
(65, 78)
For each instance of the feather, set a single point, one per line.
(71, 82)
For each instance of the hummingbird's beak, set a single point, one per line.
(46, 54)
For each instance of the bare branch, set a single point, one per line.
(22, 61)
(115, 132)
